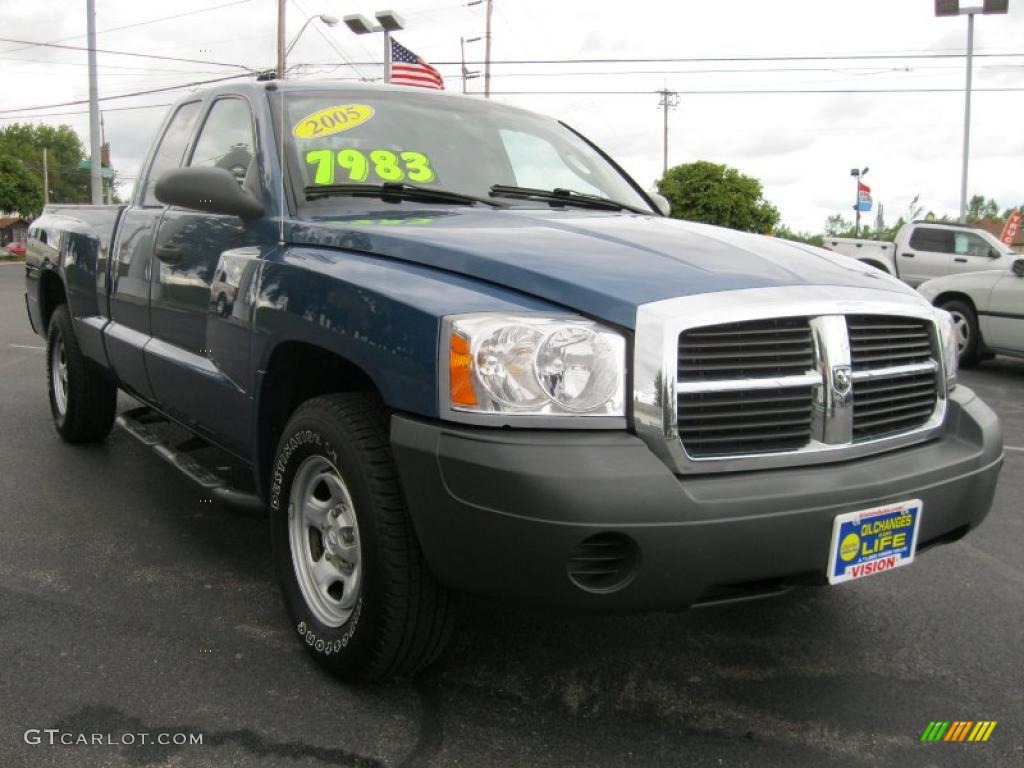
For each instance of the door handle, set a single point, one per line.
(960, 261)
(907, 255)
(169, 254)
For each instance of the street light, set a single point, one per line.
(387, 22)
(858, 174)
(327, 19)
(953, 8)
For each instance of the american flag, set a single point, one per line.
(409, 69)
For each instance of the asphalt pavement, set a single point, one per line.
(130, 605)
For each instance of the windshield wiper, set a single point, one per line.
(393, 191)
(559, 196)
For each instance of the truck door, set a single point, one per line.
(198, 360)
(130, 260)
(927, 255)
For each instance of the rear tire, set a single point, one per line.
(83, 402)
(966, 321)
(354, 580)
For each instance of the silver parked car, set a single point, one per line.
(987, 307)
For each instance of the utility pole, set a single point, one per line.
(104, 160)
(280, 38)
(487, 51)
(669, 100)
(95, 179)
(46, 179)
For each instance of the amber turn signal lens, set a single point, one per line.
(460, 375)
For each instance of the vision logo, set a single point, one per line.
(958, 730)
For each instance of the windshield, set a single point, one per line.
(460, 145)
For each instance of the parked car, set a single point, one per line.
(16, 248)
(924, 250)
(987, 308)
(466, 352)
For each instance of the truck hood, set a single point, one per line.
(603, 264)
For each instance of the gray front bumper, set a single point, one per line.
(500, 512)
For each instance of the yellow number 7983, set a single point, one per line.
(386, 165)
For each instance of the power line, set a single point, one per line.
(124, 95)
(82, 112)
(727, 59)
(125, 53)
(131, 26)
(749, 92)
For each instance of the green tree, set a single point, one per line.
(24, 142)
(837, 225)
(981, 208)
(786, 233)
(20, 190)
(717, 194)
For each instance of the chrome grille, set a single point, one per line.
(892, 404)
(882, 341)
(764, 378)
(773, 347)
(745, 420)
(753, 421)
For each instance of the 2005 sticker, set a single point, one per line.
(332, 120)
(387, 165)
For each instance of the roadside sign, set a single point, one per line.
(863, 197)
(1011, 229)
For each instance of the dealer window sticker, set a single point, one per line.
(332, 120)
(356, 165)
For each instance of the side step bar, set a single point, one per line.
(136, 423)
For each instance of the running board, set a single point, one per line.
(137, 423)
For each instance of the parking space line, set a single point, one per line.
(25, 346)
(1013, 448)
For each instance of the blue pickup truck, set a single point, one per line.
(455, 348)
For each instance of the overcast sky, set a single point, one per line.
(801, 146)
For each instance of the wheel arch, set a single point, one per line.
(876, 264)
(52, 294)
(284, 384)
(954, 295)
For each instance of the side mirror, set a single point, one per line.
(211, 190)
(1018, 267)
(660, 202)
(993, 253)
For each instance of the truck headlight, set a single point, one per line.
(949, 338)
(533, 365)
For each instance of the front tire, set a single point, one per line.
(354, 581)
(83, 402)
(969, 336)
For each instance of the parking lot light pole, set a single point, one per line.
(388, 22)
(858, 174)
(953, 8)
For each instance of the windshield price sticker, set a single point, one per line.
(357, 166)
(331, 120)
(873, 540)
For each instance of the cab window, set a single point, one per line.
(172, 147)
(967, 244)
(226, 139)
(932, 239)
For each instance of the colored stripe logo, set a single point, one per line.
(958, 730)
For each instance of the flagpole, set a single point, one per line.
(387, 56)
